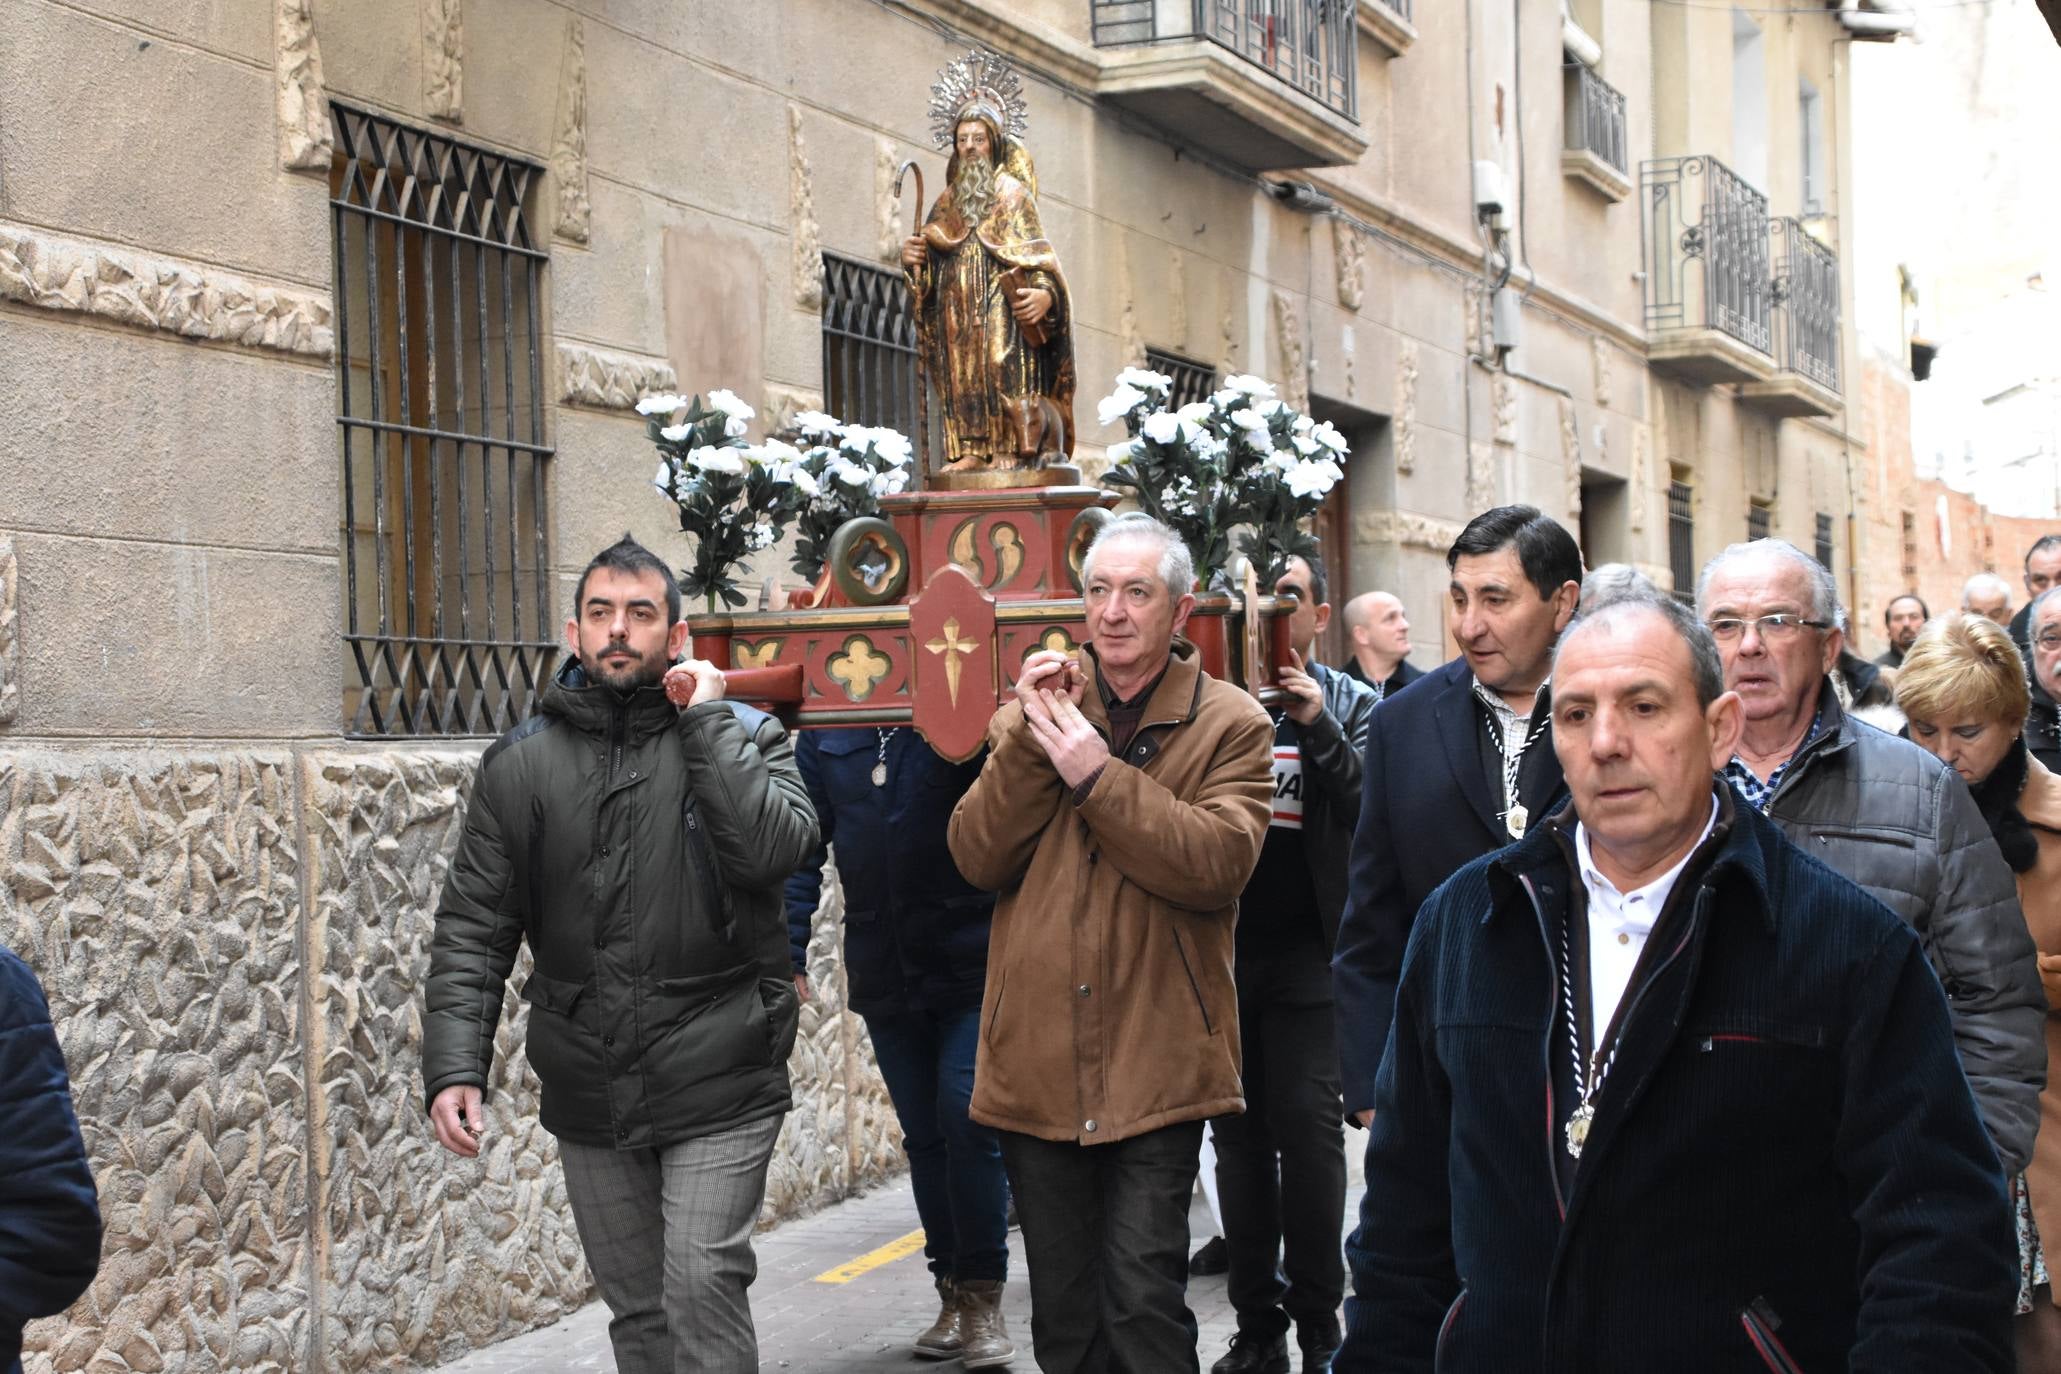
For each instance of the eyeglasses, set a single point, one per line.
(1771, 627)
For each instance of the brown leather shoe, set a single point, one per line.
(981, 1326)
(942, 1340)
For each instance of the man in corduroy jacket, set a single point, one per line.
(1664, 1092)
(635, 832)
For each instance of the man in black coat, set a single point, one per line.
(2043, 722)
(915, 961)
(635, 833)
(49, 1211)
(2042, 573)
(1761, 1151)
(1456, 766)
(1379, 631)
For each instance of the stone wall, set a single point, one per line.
(234, 945)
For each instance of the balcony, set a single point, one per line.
(1595, 151)
(1266, 84)
(1391, 23)
(1806, 334)
(1709, 296)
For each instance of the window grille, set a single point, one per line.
(441, 430)
(1757, 521)
(1681, 539)
(1193, 381)
(1910, 527)
(1824, 533)
(869, 347)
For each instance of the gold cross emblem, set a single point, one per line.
(859, 668)
(954, 650)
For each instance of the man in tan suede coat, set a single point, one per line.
(1119, 815)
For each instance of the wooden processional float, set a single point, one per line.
(927, 612)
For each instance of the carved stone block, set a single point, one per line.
(575, 213)
(306, 140)
(1295, 377)
(1406, 407)
(158, 899)
(613, 381)
(10, 634)
(166, 294)
(443, 59)
(806, 236)
(1350, 252)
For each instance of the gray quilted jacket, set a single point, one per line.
(1899, 823)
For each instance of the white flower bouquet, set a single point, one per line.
(735, 499)
(1239, 459)
(842, 474)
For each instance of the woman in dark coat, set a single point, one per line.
(1962, 689)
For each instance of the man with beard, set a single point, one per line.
(994, 320)
(635, 832)
(1902, 619)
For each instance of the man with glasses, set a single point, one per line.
(1883, 812)
(2042, 574)
(2043, 724)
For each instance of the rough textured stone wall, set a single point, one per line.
(234, 945)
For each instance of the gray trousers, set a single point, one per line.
(668, 1235)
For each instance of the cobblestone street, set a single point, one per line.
(865, 1323)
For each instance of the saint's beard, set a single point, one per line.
(974, 187)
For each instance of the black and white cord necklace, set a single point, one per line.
(880, 759)
(1516, 816)
(1588, 1083)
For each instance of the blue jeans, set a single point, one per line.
(955, 1164)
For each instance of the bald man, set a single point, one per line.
(1986, 594)
(1380, 634)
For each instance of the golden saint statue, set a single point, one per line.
(994, 321)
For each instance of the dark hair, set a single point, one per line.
(626, 555)
(2046, 543)
(1545, 549)
(1924, 611)
(1320, 585)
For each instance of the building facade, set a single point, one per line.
(321, 325)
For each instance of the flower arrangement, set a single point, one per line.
(843, 473)
(734, 499)
(1240, 461)
(738, 499)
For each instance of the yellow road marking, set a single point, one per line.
(873, 1259)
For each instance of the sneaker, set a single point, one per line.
(1253, 1353)
(1212, 1258)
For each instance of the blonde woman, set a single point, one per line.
(1963, 691)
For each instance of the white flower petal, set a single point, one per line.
(663, 403)
(1144, 379)
(729, 404)
(816, 422)
(674, 434)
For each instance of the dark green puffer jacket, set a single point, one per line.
(640, 849)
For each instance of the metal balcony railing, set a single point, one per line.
(1312, 45)
(1595, 116)
(1806, 297)
(1399, 8)
(1702, 219)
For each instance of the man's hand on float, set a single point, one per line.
(1054, 671)
(692, 681)
(459, 1120)
(1073, 745)
(1032, 303)
(1305, 697)
(914, 251)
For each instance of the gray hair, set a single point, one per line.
(1706, 669)
(1824, 590)
(1176, 565)
(1984, 582)
(2033, 612)
(1609, 581)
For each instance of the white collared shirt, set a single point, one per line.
(1619, 923)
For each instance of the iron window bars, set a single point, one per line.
(1313, 45)
(1193, 381)
(1806, 294)
(1595, 115)
(441, 421)
(1824, 534)
(1757, 518)
(869, 348)
(1681, 539)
